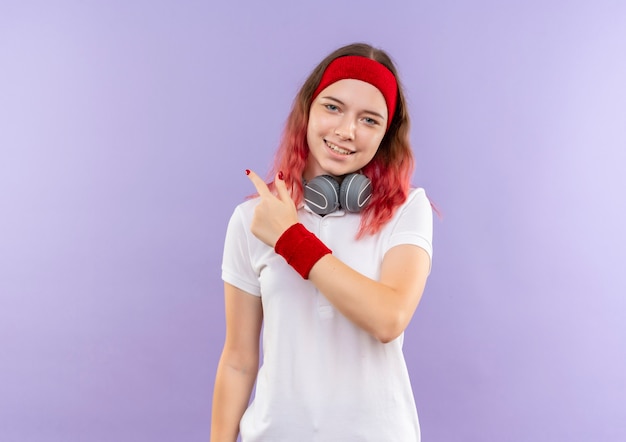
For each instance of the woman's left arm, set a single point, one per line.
(383, 308)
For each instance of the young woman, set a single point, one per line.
(332, 258)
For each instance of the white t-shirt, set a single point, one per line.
(322, 377)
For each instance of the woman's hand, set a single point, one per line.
(275, 213)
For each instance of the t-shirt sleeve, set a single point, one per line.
(237, 268)
(414, 223)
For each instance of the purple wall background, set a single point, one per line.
(125, 128)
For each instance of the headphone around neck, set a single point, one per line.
(324, 195)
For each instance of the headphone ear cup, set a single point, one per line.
(321, 194)
(355, 192)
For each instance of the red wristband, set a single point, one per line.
(300, 248)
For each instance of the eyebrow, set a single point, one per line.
(343, 104)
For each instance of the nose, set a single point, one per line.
(345, 129)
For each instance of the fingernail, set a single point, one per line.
(280, 175)
(247, 171)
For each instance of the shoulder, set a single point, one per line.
(413, 222)
(417, 200)
(417, 193)
(241, 218)
(246, 208)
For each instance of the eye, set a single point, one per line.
(370, 121)
(331, 107)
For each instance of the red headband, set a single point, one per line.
(365, 69)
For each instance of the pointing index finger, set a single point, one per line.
(258, 183)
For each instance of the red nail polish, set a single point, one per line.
(247, 171)
(280, 175)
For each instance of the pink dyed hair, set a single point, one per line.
(391, 168)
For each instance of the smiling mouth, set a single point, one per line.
(337, 149)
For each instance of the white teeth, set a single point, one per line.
(338, 149)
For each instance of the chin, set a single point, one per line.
(338, 172)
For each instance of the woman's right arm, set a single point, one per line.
(238, 366)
